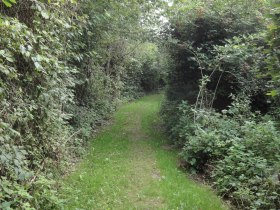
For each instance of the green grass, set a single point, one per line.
(127, 167)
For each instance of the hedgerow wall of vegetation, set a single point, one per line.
(222, 97)
(64, 67)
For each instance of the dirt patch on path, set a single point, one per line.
(143, 169)
(142, 176)
(134, 129)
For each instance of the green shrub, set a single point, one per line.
(213, 135)
(248, 179)
(238, 150)
(177, 121)
(36, 81)
(29, 195)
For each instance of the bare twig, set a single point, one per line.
(216, 88)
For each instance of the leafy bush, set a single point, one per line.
(35, 82)
(35, 194)
(178, 122)
(239, 152)
(248, 179)
(210, 141)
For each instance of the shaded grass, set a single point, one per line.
(127, 168)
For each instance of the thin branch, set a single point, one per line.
(215, 92)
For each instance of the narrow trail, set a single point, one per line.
(128, 167)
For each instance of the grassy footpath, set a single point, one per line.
(128, 167)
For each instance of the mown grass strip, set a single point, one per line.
(127, 167)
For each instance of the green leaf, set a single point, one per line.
(272, 93)
(4, 70)
(10, 59)
(22, 49)
(37, 65)
(6, 205)
(45, 14)
(1, 90)
(7, 3)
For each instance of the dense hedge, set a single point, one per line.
(36, 86)
(64, 67)
(222, 98)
